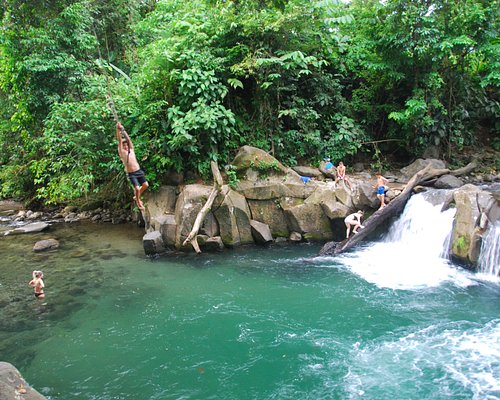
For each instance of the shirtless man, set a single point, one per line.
(341, 175)
(353, 220)
(381, 182)
(134, 171)
(37, 283)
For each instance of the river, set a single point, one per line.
(394, 319)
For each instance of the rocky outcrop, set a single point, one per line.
(14, 387)
(476, 209)
(271, 202)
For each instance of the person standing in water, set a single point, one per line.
(381, 182)
(37, 283)
(129, 159)
(353, 220)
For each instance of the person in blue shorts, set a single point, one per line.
(381, 182)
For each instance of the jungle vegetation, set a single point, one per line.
(193, 81)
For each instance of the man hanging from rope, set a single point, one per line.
(134, 171)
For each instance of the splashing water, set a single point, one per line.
(489, 260)
(414, 254)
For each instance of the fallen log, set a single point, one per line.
(192, 237)
(391, 210)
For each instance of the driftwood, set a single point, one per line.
(218, 182)
(391, 210)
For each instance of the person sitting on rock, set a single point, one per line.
(341, 176)
(134, 171)
(353, 220)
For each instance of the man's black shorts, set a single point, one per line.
(137, 178)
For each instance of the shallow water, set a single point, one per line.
(244, 324)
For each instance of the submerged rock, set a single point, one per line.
(29, 228)
(47, 244)
(13, 386)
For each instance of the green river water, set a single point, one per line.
(250, 323)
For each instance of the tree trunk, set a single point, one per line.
(391, 210)
(192, 237)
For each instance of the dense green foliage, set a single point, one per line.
(194, 81)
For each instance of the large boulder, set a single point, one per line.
(448, 182)
(189, 203)
(159, 204)
(252, 158)
(419, 165)
(276, 187)
(233, 216)
(471, 203)
(334, 209)
(14, 387)
(309, 220)
(307, 171)
(270, 212)
(364, 197)
(344, 195)
(328, 169)
(168, 229)
(261, 232)
(153, 243)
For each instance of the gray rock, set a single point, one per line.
(295, 237)
(30, 228)
(420, 164)
(14, 387)
(309, 220)
(469, 200)
(153, 243)
(189, 203)
(249, 157)
(307, 171)
(33, 215)
(328, 172)
(448, 182)
(47, 244)
(270, 212)
(233, 216)
(214, 244)
(261, 232)
(359, 167)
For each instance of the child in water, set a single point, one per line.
(37, 283)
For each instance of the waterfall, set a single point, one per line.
(489, 259)
(414, 253)
(423, 227)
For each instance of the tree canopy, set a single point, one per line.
(194, 81)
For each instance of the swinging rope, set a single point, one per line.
(111, 103)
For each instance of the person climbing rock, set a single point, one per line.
(129, 159)
(353, 220)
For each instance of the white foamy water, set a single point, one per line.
(414, 253)
(489, 260)
(456, 356)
